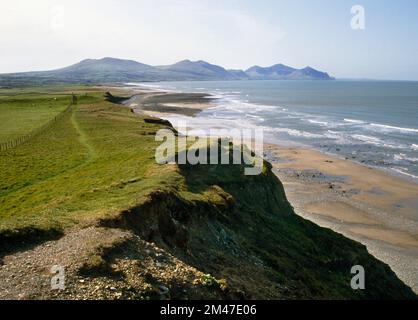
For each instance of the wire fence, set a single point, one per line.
(17, 141)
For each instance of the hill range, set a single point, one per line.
(111, 70)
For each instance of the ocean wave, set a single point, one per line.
(293, 132)
(368, 139)
(414, 146)
(214, 95)
(404, 157)
(354, 121)
(256, 117)
(338, 137)
(243, 107)
(322, 123)
(403, 171)
(393, 128)
(378, 142)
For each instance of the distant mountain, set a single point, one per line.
(282, 72)
(106, 65)
(309, 73)
(238, 74)
(112, 70)
(276, 71)
(198, 70)
(107, 69)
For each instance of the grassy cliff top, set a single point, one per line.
(93, 166)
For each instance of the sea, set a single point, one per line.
(372, 122)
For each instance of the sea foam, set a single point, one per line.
(354, 121)
(391, 128)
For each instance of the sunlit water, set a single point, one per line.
(373, 122)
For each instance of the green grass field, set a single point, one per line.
(90, 163)
(94, 161)
(23, 111)
(22, 114)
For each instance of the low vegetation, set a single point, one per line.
(90, 163)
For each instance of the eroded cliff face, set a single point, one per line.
(242, 231)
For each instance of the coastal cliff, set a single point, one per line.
(124, 227)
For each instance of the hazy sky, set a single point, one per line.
(43, 34)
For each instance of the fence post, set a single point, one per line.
(14, 142)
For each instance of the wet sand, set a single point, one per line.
(160, 104)
(368, 205)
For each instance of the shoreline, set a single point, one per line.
(177, 109)
(360, 202)
(160, 104)
(372, 206)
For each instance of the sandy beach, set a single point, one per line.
(160, 104)
(365, 204)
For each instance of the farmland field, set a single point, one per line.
(88, 163)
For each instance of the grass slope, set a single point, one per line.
(89, 163)
(24, 113)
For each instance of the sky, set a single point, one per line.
(47, 34)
